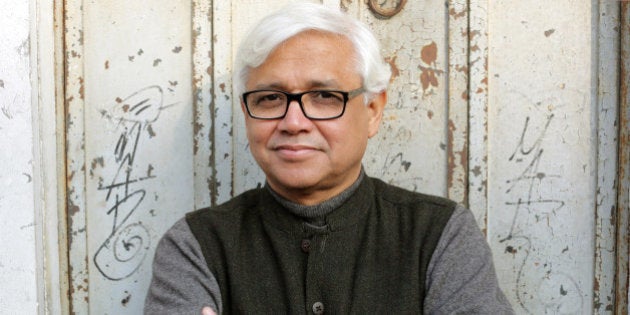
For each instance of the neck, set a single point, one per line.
(320, 209)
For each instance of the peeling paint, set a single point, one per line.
(549, 32)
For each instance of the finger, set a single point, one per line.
(207, 311)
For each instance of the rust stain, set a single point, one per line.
(596, 285)
(394, 68)
(451, 153)
(454, 163)
(463, 69)
(476, 170)
(197, 127)
(430, 114)
(474, 33)
(549, 32)
(429, 53)
(81, 88)
(106, 64)
(222, 87)
(456, 14)
(428, 77)
(623, 239)
(73, 209)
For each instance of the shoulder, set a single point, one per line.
(234, 207)
(403, 198)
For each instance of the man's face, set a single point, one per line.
(309, 161)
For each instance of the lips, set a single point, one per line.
(295, 151)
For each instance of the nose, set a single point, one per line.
(295, 121)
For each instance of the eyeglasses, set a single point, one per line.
(316, 104)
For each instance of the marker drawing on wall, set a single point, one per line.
(123, 252)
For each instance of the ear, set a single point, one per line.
(375, 112)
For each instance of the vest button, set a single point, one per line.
(306, 245)
(318, 308)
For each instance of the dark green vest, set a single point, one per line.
(371, 256)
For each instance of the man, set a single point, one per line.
(321, 236)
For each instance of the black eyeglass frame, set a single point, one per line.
(347, 95)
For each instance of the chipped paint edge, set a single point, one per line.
(224, 104)
(623, 196)
(605, 57)
(48, 155)
(202, 57)
(75, 158)
(478, 113)
(457, 128)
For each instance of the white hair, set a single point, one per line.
(299, 17)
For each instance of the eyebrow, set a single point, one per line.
(313, 84)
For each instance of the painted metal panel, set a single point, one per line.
(542, 131)
(458, 99)
(478, 112)
(18, 263)
(130, 150)
(623, 201)
(223, 149)
(411, 147)
(75, 164)
(606, 31)
(202, 103)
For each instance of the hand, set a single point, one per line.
(207, 311)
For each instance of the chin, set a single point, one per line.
(298, 180)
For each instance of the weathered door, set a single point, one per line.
(510, 108)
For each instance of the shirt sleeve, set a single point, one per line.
(181, 283)
(461, 278)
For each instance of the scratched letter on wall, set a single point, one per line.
(543, 221)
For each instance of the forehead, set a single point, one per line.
(310, 56)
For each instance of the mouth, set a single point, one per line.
(295, 151)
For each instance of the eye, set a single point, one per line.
(329, 97)
(268, 98)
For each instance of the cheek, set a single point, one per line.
(257, 133)
(346, 138)
(254, 133)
